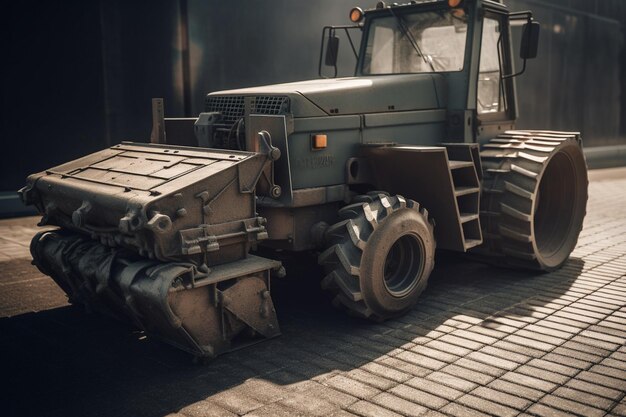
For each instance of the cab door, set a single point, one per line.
(495, 95)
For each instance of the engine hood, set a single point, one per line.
(356, 95)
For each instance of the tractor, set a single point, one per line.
(417, 151)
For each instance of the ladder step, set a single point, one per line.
(457, 145)
(459, 191)
(470, 243)
(467, 217)
(460, 164)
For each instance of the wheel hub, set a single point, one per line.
(403, 265)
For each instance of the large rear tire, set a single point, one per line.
(380, 256)
(534, 198)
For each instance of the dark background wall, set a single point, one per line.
(578, 81)
(79, 75)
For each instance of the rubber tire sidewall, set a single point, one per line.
(575, 155)
(375, 293)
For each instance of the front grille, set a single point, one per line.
(270, 105)
(232, 108)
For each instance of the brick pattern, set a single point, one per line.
(15, 236)
(481, 341)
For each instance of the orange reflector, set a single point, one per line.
(454, 3)
(319, 141)
(356, 14)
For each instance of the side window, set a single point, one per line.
(489, 95)
(382, 58)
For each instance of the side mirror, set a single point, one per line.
(329, 58)
(530, 40)
(332, 50)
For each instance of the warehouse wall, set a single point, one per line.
(578, 81)
(79, 75)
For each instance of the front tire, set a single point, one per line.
(380, 256)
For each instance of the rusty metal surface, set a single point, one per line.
(197, 309)
(163, 202)
(158, 236)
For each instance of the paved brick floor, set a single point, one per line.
(482, 341)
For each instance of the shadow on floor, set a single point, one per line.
(65, 362)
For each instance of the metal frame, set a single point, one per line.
(331, 32)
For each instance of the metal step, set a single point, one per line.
(466, 217)
(444, 179)
(460, 164)
(459, 191)
(471, 243)
(464, 169)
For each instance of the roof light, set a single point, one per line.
(454, 3)
(356, 14)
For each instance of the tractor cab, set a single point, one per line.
(468, 42)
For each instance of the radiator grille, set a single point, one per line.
(269, 105)
(232, 108)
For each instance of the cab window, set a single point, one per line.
(490, 88)
(413, 43)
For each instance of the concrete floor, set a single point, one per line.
(481, 341)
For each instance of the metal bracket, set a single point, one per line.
(203, 128)
(258, 311)
(158, 121)
(206, 238)
(273, 154)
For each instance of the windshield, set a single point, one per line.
(419, 42)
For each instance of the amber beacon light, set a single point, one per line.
(454, 3)
(356, 14)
